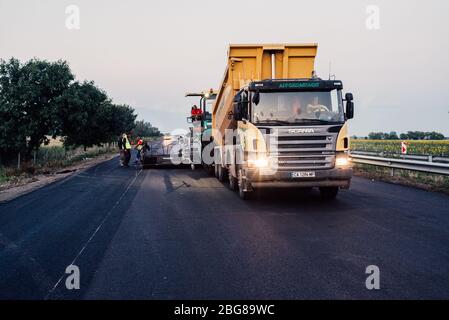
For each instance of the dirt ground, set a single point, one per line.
(14, 189)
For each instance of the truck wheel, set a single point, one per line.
(221, 173)
(233, 182)
(216, 170)
(329, 192)
(243, 194)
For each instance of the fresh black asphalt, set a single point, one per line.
(173, 233)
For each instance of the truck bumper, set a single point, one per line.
(337, 177)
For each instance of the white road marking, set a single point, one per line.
(94, 233)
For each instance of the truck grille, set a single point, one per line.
(300, 146)
(304, 138)
(302, 151)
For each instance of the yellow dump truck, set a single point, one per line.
(276, 124)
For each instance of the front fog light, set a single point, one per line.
(342, 161)
(259, 163)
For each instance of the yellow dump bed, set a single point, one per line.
(248, 63)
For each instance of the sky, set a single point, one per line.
(394, 57)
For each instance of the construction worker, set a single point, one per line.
(139, 148)
(120, 147)
(196, 113)
(126, 147)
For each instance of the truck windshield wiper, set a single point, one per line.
(268, 122)
(314, 120)
(295, 121)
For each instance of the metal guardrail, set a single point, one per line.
(428, 164)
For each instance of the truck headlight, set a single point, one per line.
(342, 161)
(259, 163)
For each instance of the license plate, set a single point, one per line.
(303, 174)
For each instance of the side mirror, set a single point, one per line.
(349, 109)
(349, 97)
(256, 97)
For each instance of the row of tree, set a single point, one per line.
(39, 99)
(410, 135)
(145, 129)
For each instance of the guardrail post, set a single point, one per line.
(392, 172)
(430, 158)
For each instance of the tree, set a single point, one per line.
(44, 83)
(28, 95)
(87, 117)
(82, 115)
(13, 118)
(375, 136)
(392, 136)
(410, 135)
(121, 119)
(145, 129)
(419, 135)
(27, 103)
(435, 136)
(40, 98)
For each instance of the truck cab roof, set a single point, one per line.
(294, 85)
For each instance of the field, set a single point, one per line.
(415, 147)
(392, 148)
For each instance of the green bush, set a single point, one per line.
(3, 176)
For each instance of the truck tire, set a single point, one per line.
(221, 174)
(216, 170)
(329, 192)
(243, 194)
(233, 182)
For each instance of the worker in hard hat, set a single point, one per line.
(196, 113)
(126, 147)
(139, 149)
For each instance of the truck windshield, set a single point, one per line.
(299, 107)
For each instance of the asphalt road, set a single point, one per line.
(180, 234)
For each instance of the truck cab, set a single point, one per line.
(292, 133)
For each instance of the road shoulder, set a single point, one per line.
(41, 180)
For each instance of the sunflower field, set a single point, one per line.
(438, 148)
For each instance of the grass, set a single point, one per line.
(59, 157)
(3, 175)
(422, 180)
(51, 159)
